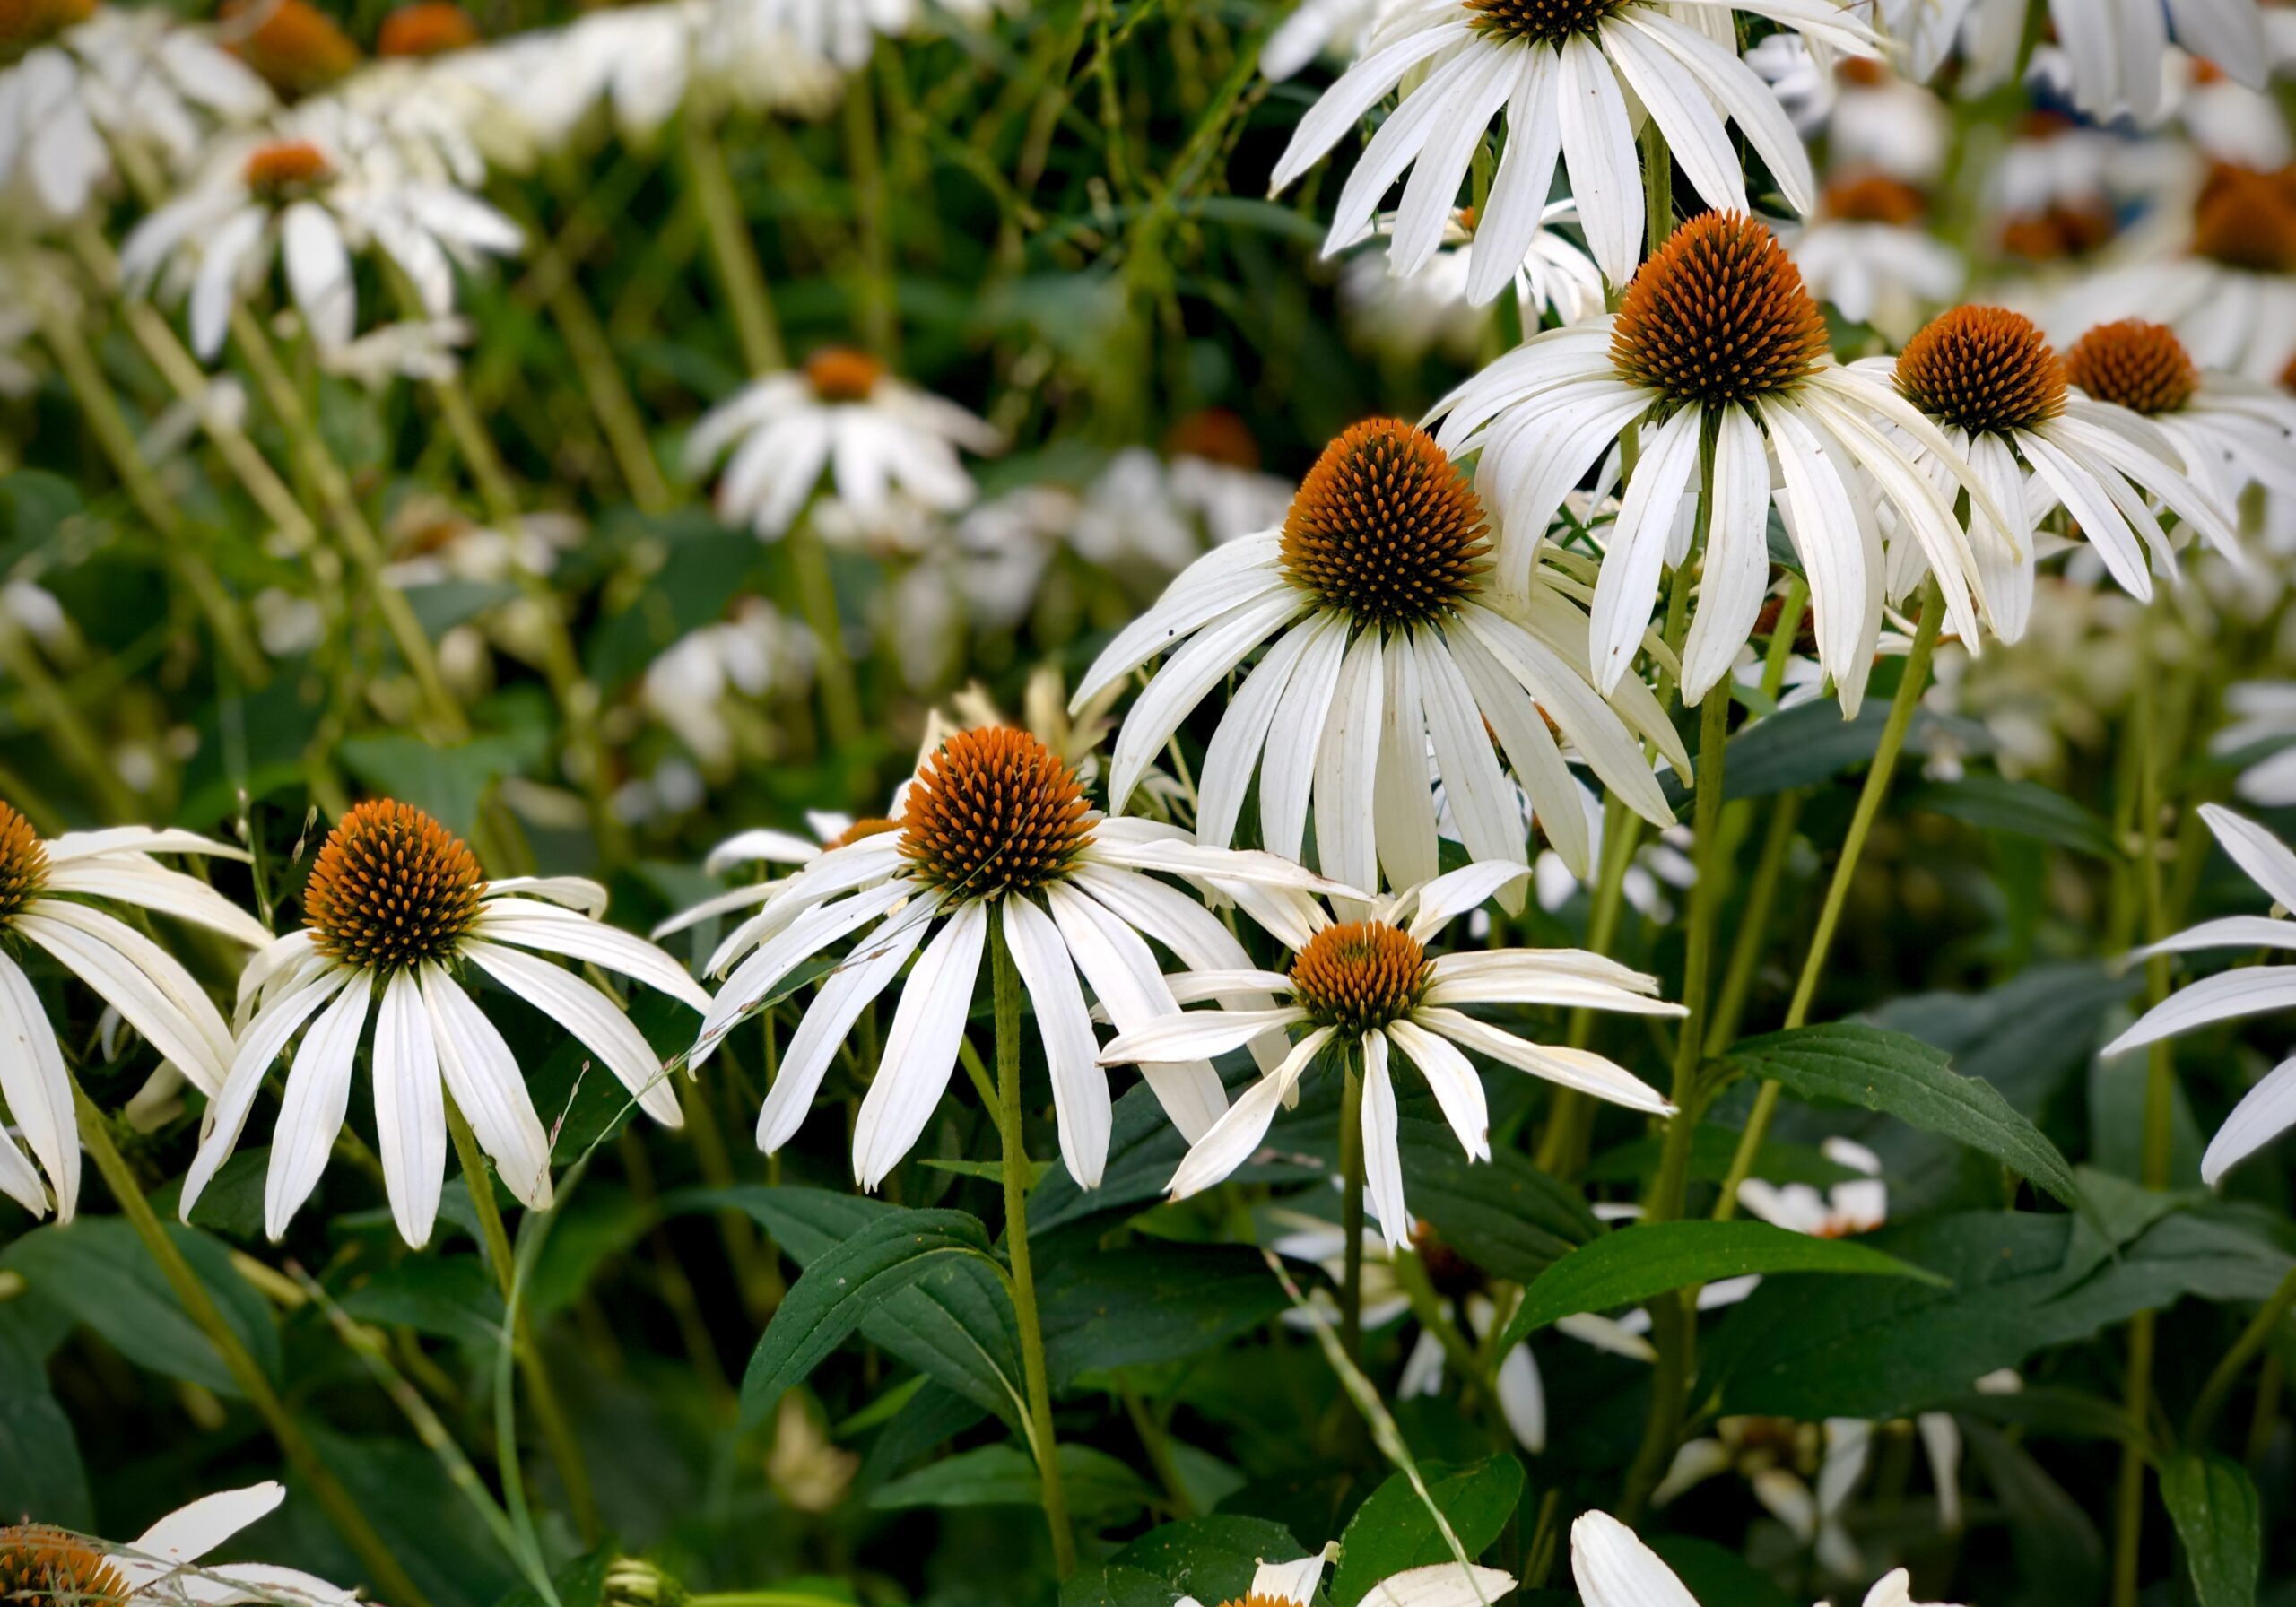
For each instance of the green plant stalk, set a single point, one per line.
(2227, 1372)
(53, 706)
(832, 667)
(1006, 983)
(1157, 1444)
(1657, 187)
(108, 422)
(1351, 1206)
(619, 419)
(389, 1579)
(876, 313)
(1861, 823)
(731, 250)
(1562, 1145)
(359, 539)
(1753, 924)
(565, 1450)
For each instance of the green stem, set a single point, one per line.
(2218, 1387)
(1562, 1146)
(833, 667)
(1006, 981)
(1158, 1446)
(1351, 1206)
(619, 419)
(1753, 924)
(731, 250)
(1911, 686)
(389, 1579)
(875, 315)
(1657, 187)
(76, 741)
(565, 1450)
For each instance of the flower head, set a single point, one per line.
(391, 889)
(42, 1564)
(1983, 369)
(296, 47)
(424, 29)
(2247, 218)
(25, 25)
(1718, 315)
(993, 812)
(2134, 364)
(1384, 528)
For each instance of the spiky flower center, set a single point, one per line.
(286, 167)
(994, 811)
(1384, 527)
(1865, 72)
(1542, 21)
(2247, 218)
(24, 862)
(1984, 368)
(291, 44)
(427, 28)
(1359, 977)
(391, 888)
(42, 1567)
(1218, 434)
(2073, 229)
(2143, 367)
(1872, 198)
(841, 374)
(25, 25)
(1717, 315)
(1253, 1598)
(867, 827)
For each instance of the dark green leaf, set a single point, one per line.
(1810, 742)
(1711, 1153)
(2023, 808)
(1211, 1558)
(446, 781)
(452, 1297)
(1002, 1475)
(2219, 1523)
(1147, 1302)
(1393, 1529)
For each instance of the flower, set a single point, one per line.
(2269, 1109)
(1563, 69)
(1385, 641)
(2265, 713)
(395, 903)
(1443, 1585)
(1857, 1205)
(1316, 28)
(1405, 315)
(1613, 1568)
(52, 897)
(2229, 430)
(705, 686)
(295, 46)
(1369, 987)
(1988, 381)
(1719, 352)
(81, 77)
(328, 182)
(878, 438)
(994, 828)
(1867, 252)
(1869, 116)
(161, 1565)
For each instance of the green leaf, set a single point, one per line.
(97, 1269)
(1503, 1214)
(987, 1171)
(1212, 1558)
(1848, 1062)
(1716, 1574)
(453, 1297)
(41, 1475)
(1630, 1266)
(2220, 1524)
(232, 1203)
(446, 781)
(842, 1285)
(1002, 1475)
(1811, 742)
(1712, 1150)
(1147, 1302)
(2022, 808)
(1393, 1529)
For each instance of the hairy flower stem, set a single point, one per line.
(179, 549)
(732, 252)
(1007, 982)
(350, 521)
(389, 1579)
(1351, 1206)
(565, 1450)
(1911, 686)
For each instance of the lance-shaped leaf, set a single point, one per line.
(2219, 1521)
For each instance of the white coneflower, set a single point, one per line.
(1369, 988)
(2269, 1109)
(1564, 69)
(1385, 642)
(1869, 118)
(1441, 1584)
(1718, 354)
(1867, 252)
(2230, 431)
(1990, 382)
(162, 1564)
(2114, 51)
(1406, 315)
(879, 440)
(394, 900)
(1613, 1568)
(993, 827)
(52, 895)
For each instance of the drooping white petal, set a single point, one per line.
(1233, 573)
(1235, 751)
(1457, 1089)
(2225, 996)
(266, 1037)
(2227, 932)
(1482, 803)
(920, 1046)
(131, 879)
(483, 1076)
(1357, 90)
(40, 1096)
(1185, 677)
(192, 1530)
(1080, 1088)
(311, 1111)
(1403, 801)
(138, 979)
(1598, 149)
(1735, 571)
(1512, 216)
(1628, 586)
(1288, 767)
(1571, 1068)
(546, 927)
(410, 1108)
(2266, 1111)
(1233, 1138)
(1613, 1569)
(1195, 1035)
(2265, 857)
(846, 992)
(1130, 986)
(593, 1017)
(1347, 768)
(1382, 1143)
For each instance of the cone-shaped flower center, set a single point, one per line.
(294, 45)
(391, 888)
(1384, 527)
(2072, 230)
(1360, 976)
(841, 374)
(286, 167)
(1865, 72)
(1984, 368)
(2246, 219)
(40, 1565)
(1215, 433)
(868, 825)
(1717, 315)
(994, 811)
(2142, 367)
(23, 870)
(427, 28)
(25, 25)
(1551, 22)
(1255, 1599)
(1872, 198)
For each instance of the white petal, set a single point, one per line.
(483, 1076)
(1288, 768)
(920, 1046)
(1195, 1035)
(191, 1532)
(311, 1114)
(1355, 94)
(319, 273)
(410, 1108)
(1613, 1569)
(138, 979)
(2263, 856)
(1347, 770)
(1483, 804)
(1382, 1151)
(1441, 1584)
(2266, 1112)
(1626, 588)
(2224, 997)
(39, 1094)
(1403, 801)
(1571, 1068)
(1181, 683)
(1598, 149)
(1233, 1138)
(266, 1037)
(1080, 1088)
(554, 931)
(1457, 1089)
(593, 1017)
(1694, 134)
(1235, 751)
(1512, 216)
(131, 879)
(1126, 979)
(844, 994)
(1735, 571)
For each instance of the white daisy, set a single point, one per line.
(2230, 431)
(2264, 712)
(1369, 987)
(1613, 1568)
(708, 686)
(52, 896)
(394, 900)
(1408, 314)
(1565, 71)
(994, 828)
(162, 1564)
(1441, 1584)
(2269, 1109)
(81, 77)
(1990, 383)
(881, 441)
(1867, 252)
(1385, 642)
(330, 184)
(1870, 119)
(1718, 352)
